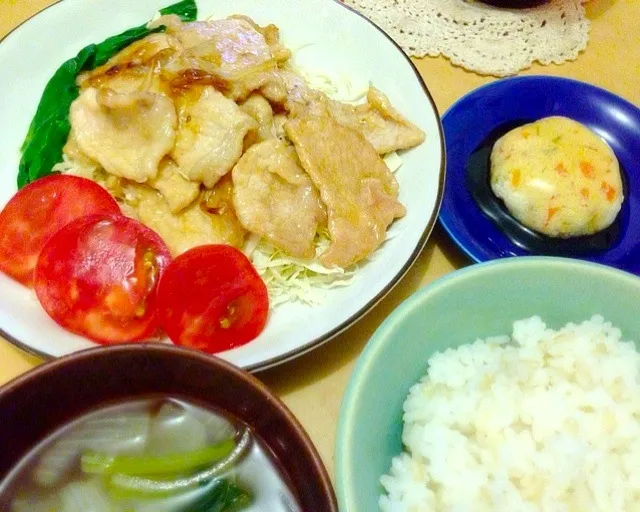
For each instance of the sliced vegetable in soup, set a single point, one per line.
(149, 455)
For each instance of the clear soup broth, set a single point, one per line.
(148, 455)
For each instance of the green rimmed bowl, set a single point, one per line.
(476, 302)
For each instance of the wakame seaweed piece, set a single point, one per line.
(50, 127)
(225, 496)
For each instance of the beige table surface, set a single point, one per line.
(312, 385)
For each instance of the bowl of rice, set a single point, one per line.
(512, 385)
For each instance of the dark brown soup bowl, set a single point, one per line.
(39, 402)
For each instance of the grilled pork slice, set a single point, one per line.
(357, 188)
(211, 134)
(127, 134)
(274, 197)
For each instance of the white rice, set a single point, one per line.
(542, 421)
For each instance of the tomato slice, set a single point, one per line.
(212, 298)
(40, 209)
(98, 277)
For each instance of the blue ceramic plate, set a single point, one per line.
(473, 121)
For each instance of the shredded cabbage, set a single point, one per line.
(69, 166)
(297, 279)
(336, 86)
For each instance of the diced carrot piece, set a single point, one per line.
(609, 191)
(552, 211)
(516, 175)
(587, 169)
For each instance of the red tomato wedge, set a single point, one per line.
(98, 277)
(40, 209)
(212, 298)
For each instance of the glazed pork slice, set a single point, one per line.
(73, 152)
(260, 110)
(228, 53)
(379, 122)
(127, 134)
(357, 188)
(299, 98)
(211, 134)
(135, 68)
(376, 119)
(200, 223)
(177, 190)
(271, 34)
(274, 198)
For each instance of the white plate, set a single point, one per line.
(338, 42)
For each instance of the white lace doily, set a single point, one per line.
(481, 38)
